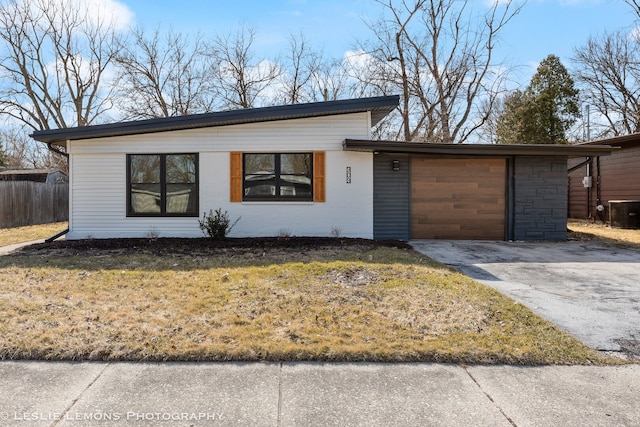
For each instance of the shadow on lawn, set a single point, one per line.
(585, 236)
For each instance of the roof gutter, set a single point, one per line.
(476, 149)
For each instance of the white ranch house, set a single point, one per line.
(307, 170)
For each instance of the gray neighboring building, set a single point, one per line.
(49, 176)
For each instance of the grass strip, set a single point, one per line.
(10, 236)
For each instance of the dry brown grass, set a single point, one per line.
(352, 302)
(587, 230)
(9, 236)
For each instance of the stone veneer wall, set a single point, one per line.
(540, 191)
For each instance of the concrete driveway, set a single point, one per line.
(592, 290)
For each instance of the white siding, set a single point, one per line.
(319, 133)
(348, 209)
(98, 170)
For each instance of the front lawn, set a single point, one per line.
(9, 236)
(587, 230)
(272, 299)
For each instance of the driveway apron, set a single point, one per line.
(590, 289)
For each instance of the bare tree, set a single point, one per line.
(18, 150)
(4, 156)
(298, 68)
(241, 79)
(53, 60)
(635, 5)
(488, 133)
(439, 57)
(393, 67)
(309, 76)
(331, 81)
(609, 69)
(164, 75)
(21, 152)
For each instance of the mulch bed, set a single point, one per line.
(190, 246)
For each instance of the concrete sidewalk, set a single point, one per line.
(318, 394)
(6, 250)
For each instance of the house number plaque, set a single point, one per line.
(348, 174)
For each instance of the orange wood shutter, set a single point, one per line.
(319, 187)
(235, 193)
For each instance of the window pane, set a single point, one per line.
(181, 198)
(145, 198)
(181, 168)
(150, 193)
(295, 175)
(181, 179)
(145, 169)
(296, 164)
(259, 176)
(145, 183)
(280, 176)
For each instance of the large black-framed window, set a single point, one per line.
(277, 176)
(162, 185)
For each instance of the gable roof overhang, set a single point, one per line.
(379, 107)
(623, 141)
(477, 149)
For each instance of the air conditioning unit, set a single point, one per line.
(624, 214)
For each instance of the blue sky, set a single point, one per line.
(543, 27)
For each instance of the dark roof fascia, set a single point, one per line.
(378, 106)
(477, 149)
(621, 141)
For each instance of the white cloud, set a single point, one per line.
(112, 10)
(98, 12)
(578, 2)
(634, 34)
(563, 3)
(492, 3)
(358, 59)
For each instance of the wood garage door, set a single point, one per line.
(458, 198)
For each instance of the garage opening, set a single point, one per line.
(458, 198)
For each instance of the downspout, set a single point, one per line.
(599, 206)
(55, 236)
(66, 155)
(511, 200)
(588, 190)
(580, 165)
(587, 162)
(55, 150)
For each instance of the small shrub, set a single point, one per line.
(153, 233)
(216, 224)
(284, 232)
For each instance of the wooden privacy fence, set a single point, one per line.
(28, 203)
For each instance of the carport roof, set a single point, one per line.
(378, 106)
(477, 149)
(622, 141)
